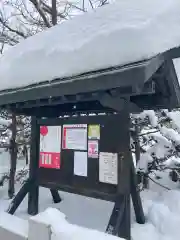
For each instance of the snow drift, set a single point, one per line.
(61, 229)
(119, 33)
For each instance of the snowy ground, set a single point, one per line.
(161, 207)
(5, 161)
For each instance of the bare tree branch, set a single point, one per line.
(91, 4)
(2, 47)
(41, 13)
(11, 29)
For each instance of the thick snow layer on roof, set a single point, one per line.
(119, 33)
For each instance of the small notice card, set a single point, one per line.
(80, 163)
(108, 172)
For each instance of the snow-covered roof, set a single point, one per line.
(122, 32)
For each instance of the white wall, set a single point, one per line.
(12, 227)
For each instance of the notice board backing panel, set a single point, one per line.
(114, 138)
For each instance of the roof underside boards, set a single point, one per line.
(167, 90)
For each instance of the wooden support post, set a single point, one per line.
(33, 198)
(55, 195)
(119, 223)
(13, 158)
(19, 197)
(136, 199)
(137, 143)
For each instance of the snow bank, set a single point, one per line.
(61, 229)
(160, 149)
(171, 134)
(164, 214)
(148, 232)
(175, 117)
(162, 211)
(5, 122)
(145, 159)
(153, 119)
(119, 33)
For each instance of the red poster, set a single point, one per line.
(49, 160)
(50, 147)
(93, 149)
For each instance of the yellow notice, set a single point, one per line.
(94, 132)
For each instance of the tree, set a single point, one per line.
(20, 19)
(13, 154)
(14, 138)
(159, 144)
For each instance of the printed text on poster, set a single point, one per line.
(94, 132)
(108, 172)
(75, 137)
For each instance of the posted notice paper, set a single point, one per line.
(75, 137)
(80, 163)
(108, 167)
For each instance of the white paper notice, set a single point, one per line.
(80, 164)
(75, 137)
(108, 172)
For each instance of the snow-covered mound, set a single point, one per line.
(162, 210)
(175, 117)
(163, 219)
(121, 32)
(61, 229)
